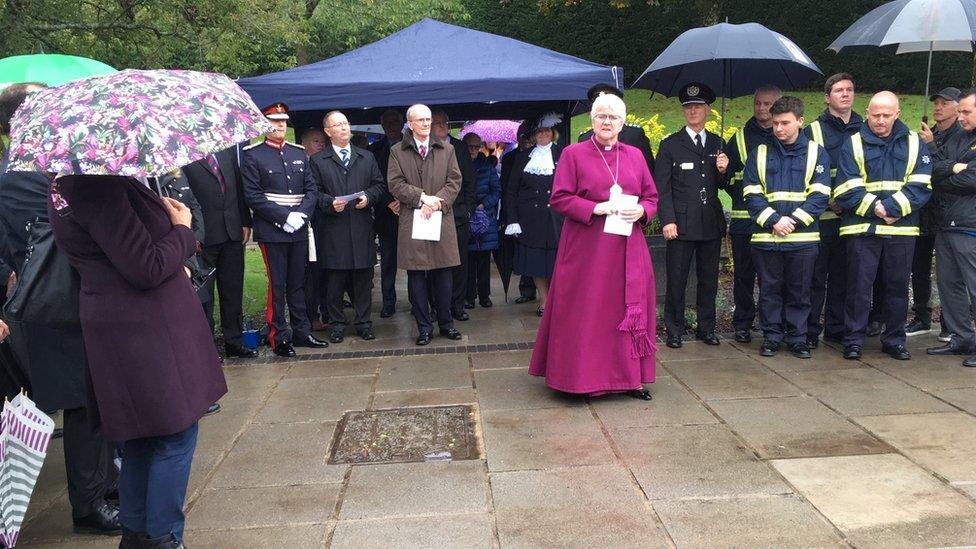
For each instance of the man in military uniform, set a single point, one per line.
(688, 171)
(786, 188)
(831, 130)
(280, 189)
(631, 134)
(756, 131)
(884, 177)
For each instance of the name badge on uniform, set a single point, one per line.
(687, 165)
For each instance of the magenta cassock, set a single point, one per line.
(598, 329)
(152, 363)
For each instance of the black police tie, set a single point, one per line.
(345, 157)
(698, 141)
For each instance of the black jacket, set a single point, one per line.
(467, 199)
(385, 221)
(224, 212)
(738, 149)
(345, 240)
(954, 195)
(688, 182)
(528, 198)
(634, 136)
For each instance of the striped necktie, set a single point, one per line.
(345, 157)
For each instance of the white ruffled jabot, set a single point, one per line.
(540, 161)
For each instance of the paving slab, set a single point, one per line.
(968, 489)
(316, 400)
(501, 359)
(883, 501)
(962, 398)
(730, 379)
(776, 521)
(824, 359)
(292, 537)
(866, 392)
(795, 427)
(575, 507)
(218, 431)
(424, 372)
(927, 372)
(543, 438)
(52, 483)
(423, 397)
(274, 506)
(696, 350)
(258, 459)
(672, 405)
(334, 368)
(516, 389)
(410, 489)
(944, 443)
(252, 382)
(696, 461)
(448, 532)
(52, 523)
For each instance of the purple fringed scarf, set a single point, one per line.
(635, 318)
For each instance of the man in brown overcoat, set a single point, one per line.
(423, 175)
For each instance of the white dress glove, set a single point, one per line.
(288, 228)
(296, 220)
(513, 229)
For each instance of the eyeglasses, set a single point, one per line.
(339, 125)
(604, 117)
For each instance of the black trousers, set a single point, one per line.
(743, 283)
(877, 300)
(922, 277)
(479, 276)
(867, 256)
(285, 262)
(425, 286)
(956, 276)
(316, 292)
(459, 274)
(388, 264)
(361, 283)
(828, 288)
(678, 256)
(228, 260)
(87, 462)
(784, 292)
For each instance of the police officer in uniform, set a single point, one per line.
(786, 187)
(884, 178)
(831, 130)
(280, 189)
(631, 134)
(689, 168)
(756, 131)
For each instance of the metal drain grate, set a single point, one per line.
(399, 435)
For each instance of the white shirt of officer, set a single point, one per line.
(692, 135)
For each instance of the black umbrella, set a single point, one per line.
(907, 26)
(733, 60)
(504, 256)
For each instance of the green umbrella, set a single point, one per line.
(50, 68)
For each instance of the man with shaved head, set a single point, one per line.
(883, 179)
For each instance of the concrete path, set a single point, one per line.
(734, 451)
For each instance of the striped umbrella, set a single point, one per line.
(25, 433)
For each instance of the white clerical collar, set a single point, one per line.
(692, 134)
(347, 148)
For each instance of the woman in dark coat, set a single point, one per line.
(488, 190)
(152, 363)
(530, 218)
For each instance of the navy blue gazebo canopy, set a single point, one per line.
(477, 74)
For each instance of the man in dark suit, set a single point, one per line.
(386, 211)
(216, 184)
(348, 249)
(464, 205)
(631, 134)
(314, 140)
(689, 168)
(507, 243)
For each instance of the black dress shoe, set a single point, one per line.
(673, 341)
(813, 342)
(366, 334)
(336, 336)
(523, 299)
(486, 303)
(639, 394)
(460, 314)
(423, 338)
(168, 541)
(104, 520)
(541, 311)
(769, 348)
(970, 362)
(451, 333)
(239, 351)
(800, 350)
(132, 540)
(386, 312)
(469, 304)
(743, 336)
(949, 349)
(311, 341)
(284, 349)
(852, 352)
(709, 338)
(897, 352)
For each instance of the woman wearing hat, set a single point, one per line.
(530, 218)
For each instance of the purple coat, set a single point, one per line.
(152, 364)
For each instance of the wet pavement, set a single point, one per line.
(735, 450)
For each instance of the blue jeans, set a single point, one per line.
(152, 483)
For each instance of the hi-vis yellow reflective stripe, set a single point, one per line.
(740, 214)
(752, 189)
(912, 154)
(786, 196)
(878, 186)
(848, 185)
(761, 164)
(859, 228)
(740, 143)
(866, 202)
(790, 238)
(903, 203)
(857, 146)
(764, 216)
(812, 150)
(883, 230)
(789, 196)
(817, 132)
(803, 216)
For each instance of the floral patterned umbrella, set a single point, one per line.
(131, 123)
(505, 131)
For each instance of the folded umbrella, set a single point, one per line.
(25, 433)
(131, 123)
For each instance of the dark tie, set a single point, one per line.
(698, 141)
(215, 167)
(345, 157)
(423, 151)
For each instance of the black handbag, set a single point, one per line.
(47, 289)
